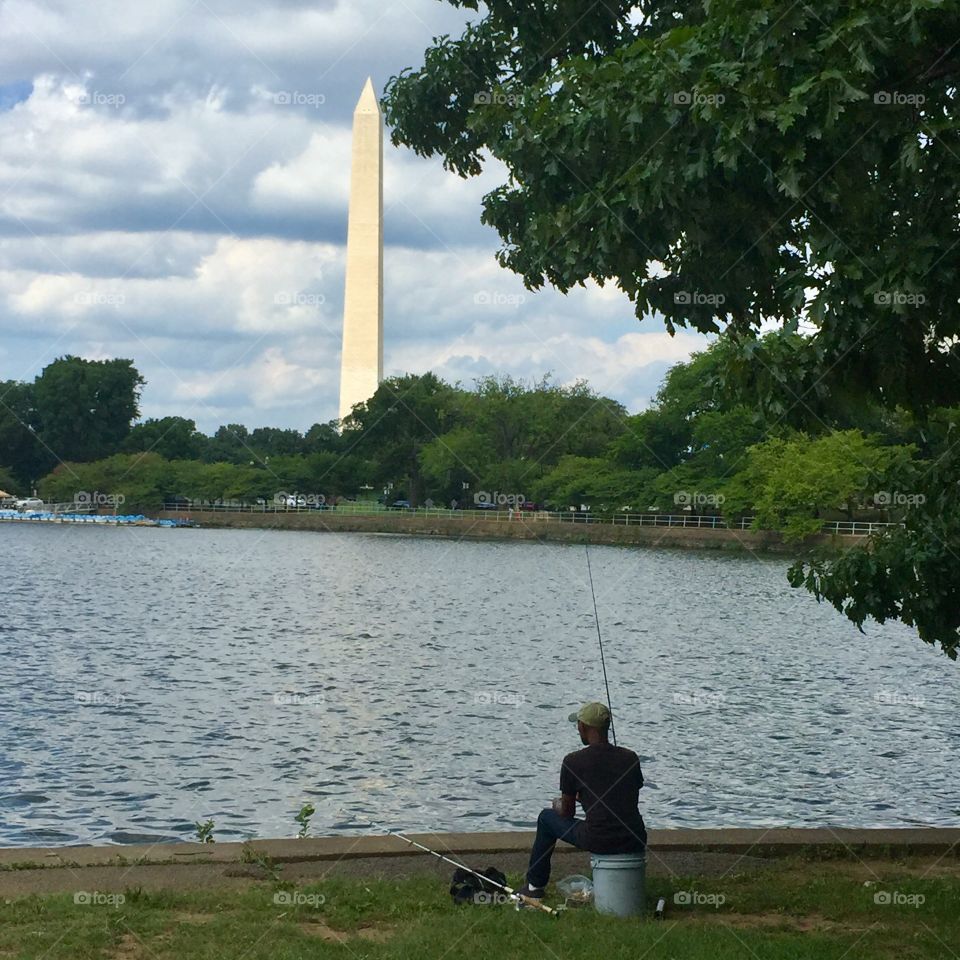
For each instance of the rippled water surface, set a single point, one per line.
(153, 678)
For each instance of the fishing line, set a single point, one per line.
(603, 662)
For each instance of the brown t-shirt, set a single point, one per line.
(606, 780)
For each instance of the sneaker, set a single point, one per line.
(533, 893)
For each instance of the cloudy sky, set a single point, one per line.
(160, 201)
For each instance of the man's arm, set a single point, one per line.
(566, 803)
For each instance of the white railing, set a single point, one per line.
(48, 509)
(843, 527)
(856, 528)
(680, 520)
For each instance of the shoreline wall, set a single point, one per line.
(410, 524)
(776, 841)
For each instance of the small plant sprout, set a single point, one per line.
(303, 818)
(205, 831)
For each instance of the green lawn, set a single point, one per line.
(799, 909)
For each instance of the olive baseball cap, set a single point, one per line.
(592, 715)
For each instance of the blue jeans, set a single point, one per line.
(551, 827)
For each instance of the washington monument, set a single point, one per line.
(361, 362)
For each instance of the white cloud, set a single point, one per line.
(271, 380)
(243, 286)
(316, 179)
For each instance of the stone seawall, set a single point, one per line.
(523, 528)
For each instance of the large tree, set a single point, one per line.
(392, 427)
(8, 483)
(509, 433)
(84, 408)
(790, 483)
(731, 163)
(20, 448)
(174, 438)
(231, 443)
(276, 442)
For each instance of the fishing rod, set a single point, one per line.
(518, 898)
(603, 662)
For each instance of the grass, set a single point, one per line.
(798, 909)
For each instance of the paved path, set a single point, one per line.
(199, 876)
(675, 853)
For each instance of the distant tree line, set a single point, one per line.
(696, 449)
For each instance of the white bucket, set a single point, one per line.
(618, 882)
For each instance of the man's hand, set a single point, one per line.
(565, 805)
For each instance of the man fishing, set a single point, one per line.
(606, 779)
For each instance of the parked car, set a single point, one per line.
(29, 505)
(400, 505)
(485, 505)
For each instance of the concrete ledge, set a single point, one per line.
(774, 842)
(783, 841)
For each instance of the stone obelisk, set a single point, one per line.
(361, 362)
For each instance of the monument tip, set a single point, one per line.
(368, 98)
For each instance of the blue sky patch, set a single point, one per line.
(13, 93)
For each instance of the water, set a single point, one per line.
(152, 678)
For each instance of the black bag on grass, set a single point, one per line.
(468, 887)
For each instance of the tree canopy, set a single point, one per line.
(84, 408)
(724, 163)
(729, 165)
